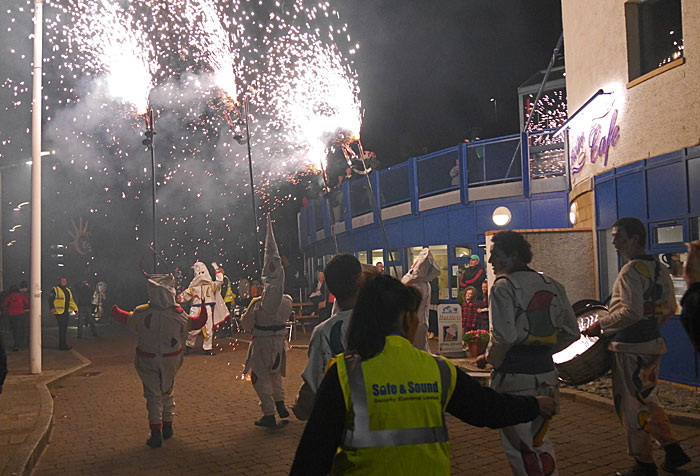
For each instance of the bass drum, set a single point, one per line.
(588, 358)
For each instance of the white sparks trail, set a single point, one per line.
(192, 61)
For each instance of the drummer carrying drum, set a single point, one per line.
(531, 319)
(642, 298)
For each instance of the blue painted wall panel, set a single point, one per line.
(549, 213)
(666, 191)
(605, 204)
(694, 185)
(679, 363)
(434, 227)
(631, 196)
(395, 232)
(462, 225)
(412, 230)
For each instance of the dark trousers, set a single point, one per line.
(17, 326)
(85, 318)
(433, 322)
(62, 320)
(3, 362)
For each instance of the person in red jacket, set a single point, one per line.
(474, 275)
(15, 305)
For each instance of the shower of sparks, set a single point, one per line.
(109, 44)
(192, 62)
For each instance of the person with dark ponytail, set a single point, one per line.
(381, 406)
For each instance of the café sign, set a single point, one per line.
(593, 145)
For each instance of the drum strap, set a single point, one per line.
(527, 359)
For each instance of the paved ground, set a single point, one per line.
(25, 405)
(101, 425)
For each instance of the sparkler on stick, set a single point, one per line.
(243, 114)
(150, 143)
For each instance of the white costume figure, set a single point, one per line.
(98, 299)
(424, 270)
(266, 317)
(531, 319)
(161, 327)
(206, 297)
(642, 298)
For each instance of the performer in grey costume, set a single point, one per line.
(531, 318)
(267, 317)
(424, 270)
(161, 326)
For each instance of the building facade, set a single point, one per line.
(633, 135)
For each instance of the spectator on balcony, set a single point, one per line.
(454, 173)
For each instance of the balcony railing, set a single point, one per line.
(486, 162)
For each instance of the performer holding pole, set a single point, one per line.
(161, 326)
(266, 317)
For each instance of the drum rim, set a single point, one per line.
(579, 307)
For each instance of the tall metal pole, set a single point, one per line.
(252, 186)
(35, 240)
(153, 179)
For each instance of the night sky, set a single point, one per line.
(426, 72)
(428, 69)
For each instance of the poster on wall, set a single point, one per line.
(450, 329)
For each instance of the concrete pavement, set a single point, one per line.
(100, 423)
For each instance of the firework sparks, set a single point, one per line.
(106, 62)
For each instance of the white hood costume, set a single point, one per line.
(424, 270)
(205, 295)
(267, 317)
(531, 318)
(161, 326)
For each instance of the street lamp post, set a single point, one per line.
(35, 240)
(495, 108)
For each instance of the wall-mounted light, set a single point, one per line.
(573, 213)
(501, 216)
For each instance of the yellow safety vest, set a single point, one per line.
(59, 304)
(395, 408)
(228, 296)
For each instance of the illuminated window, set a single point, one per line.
(362, 256)
(501, 216)
(462, 252)
(668, 234)
(654, 35)
(377, 255)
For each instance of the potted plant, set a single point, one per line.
(475, 342)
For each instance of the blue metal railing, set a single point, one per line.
(488, 162)
(438, 172)
(394, 184)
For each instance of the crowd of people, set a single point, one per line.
(373, 395)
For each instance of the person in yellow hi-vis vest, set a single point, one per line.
(61, 303)
(381, 406)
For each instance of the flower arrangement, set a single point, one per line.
(477, 335)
